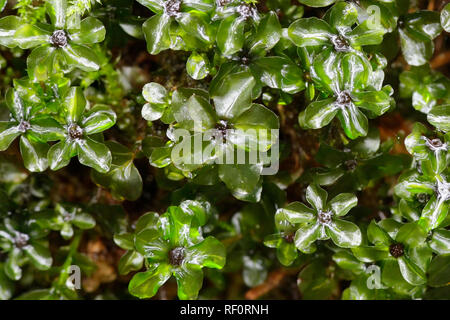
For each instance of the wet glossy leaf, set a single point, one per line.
(94, 154)
(34, 154)
(343, 203)
(310, 32)
(146, 284)
(439, 272)
(318, 114)
(233, 95)
(317, 3)
(91, 31)
(439, 116)
(123, 179)
(156, 32)
(242, 179)
(197, 66)
(230, 35)
(8, 27)
(344, 234)
(267, 34)
(445, 18)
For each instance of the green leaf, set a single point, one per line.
(130, 261)
(39, 294)
(306, 235)
(391, 226)
(45, 128)
(208, 253)
(344, 234)
(83, 221)
(199, 5)
(161, 157)
(411, 234)
(233, 95)
(255, 124)
(426, 22)
(189, 281)
(440, 241)
(279, 73)
(157, 6)
(125, 240)
(147, 220)
(8, 133)
(318, 114)
(434, 213)
(199, 114)
(152, 112)
(377, 235)
(59, 154)
(243, 180)
(267, 34)
(295, 212)
(342, 14)
(439, 116)
(377, 102)
(15, 104)
(8, 27)
(148, 242)
(439, 271)
(353, 121)
(81, 57)
(317, 3)
(6, 285)
(34, 154)
(56, 9)
(343, 203)
(30, 36)
(286, 253)
(316, 196)
(412, 184)
(67, 231)
(197, 210)
(445, 17)
(98, 119)
(411, 272)
(197, 66)
(39, 254)
(381, 14)
(124, 179)
(392, 277)
(94, 154)
(368, 145)
(326, 70)
(371, 254)
(196, 23)
(346, 260)
(42, 62)
(310, 32)
(254, 270)
(155, 93)
(230, 35)
(145, 284)
(355, 72)
(12, 267)
(75, 104)
(315, 282)
(179, 105)
(91, 31)
(408, 211)
(366, 34)
(417, 48)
